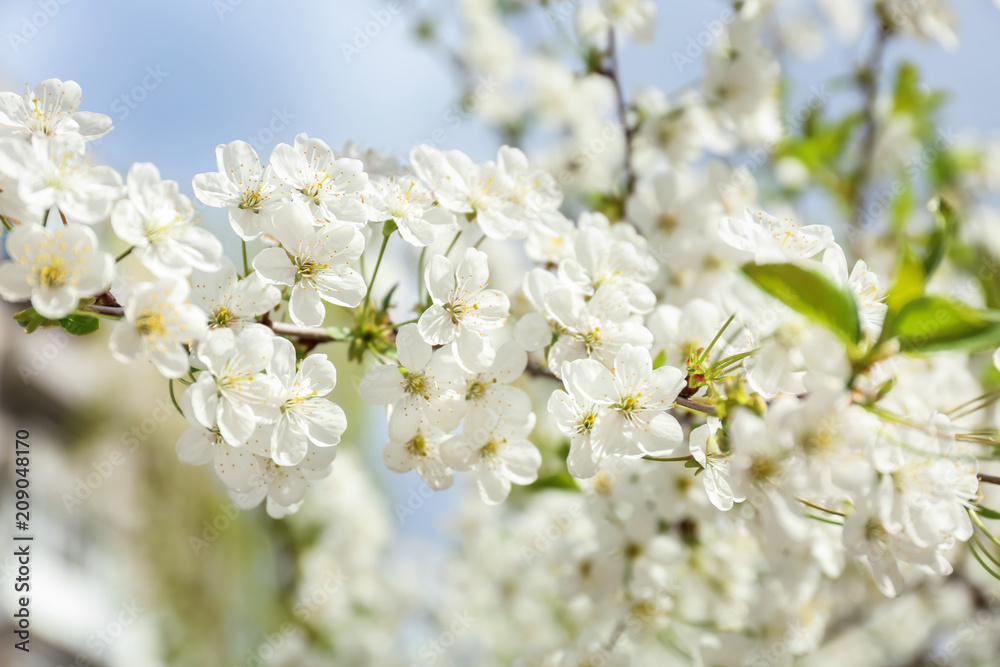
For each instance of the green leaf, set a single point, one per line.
(339, 333)
(944, 230)
(902, 207)
(30, 320)
(909, 281)
(987, 513)
(80, 324)
(660, 359)
(935, 323)
(387, 301)
(811, 294)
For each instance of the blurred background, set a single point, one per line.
(139, 560)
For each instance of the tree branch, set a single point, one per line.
(989, 479)
(870, 77)
(612, 73)
(315, 336)
(110, 311)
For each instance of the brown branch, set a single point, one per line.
(110, 311)
(695, 405)
(870, 77)
(315, 336)
(611, 72)
(989, 479)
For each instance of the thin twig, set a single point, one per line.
(870, 77)
(612, 73)
(281, 328)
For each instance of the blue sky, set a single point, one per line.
(180, 77)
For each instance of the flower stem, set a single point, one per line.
(173, 399)
(813, 505)
(371, 281)
(124, 254)
(246, 264)
(453, 242)
(396, 325)
(708, 350)
(420, 275)
(6, 223)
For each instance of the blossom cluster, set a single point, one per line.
(717, 380)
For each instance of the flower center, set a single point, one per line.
(586, 422)
(875, 532)
(151, 323)
(667, 222)
(308, 268)
(252, 199)
(222, 316)
(455, 310)
(590, 338)
(476, 390)
(762, 468)
(418, 445)
(629, 405)
(53, 274)
(490, 449)
(416, 383)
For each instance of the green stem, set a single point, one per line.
(173, 399)
(986, 567)
(6, 224)
(124, 254)
(371, 282)
(453, 242)
(420, 275)
(976, 520)
(715, 340)
(396, 325)
(246, 264)
(824, 519)
(820, 507)
(667, 458)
